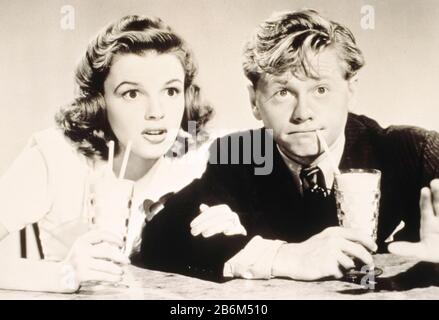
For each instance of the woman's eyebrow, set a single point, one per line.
(172, 80)
(281, 81)
(125, 82)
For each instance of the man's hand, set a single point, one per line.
(322, 255)
(216, 219)
(428, 248)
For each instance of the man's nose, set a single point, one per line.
(301, 112)
(154, 110)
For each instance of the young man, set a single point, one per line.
(303, 71)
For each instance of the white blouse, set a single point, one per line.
(48, 183)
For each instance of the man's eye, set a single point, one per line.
(322, 90)
(172, 92)
(131, 94)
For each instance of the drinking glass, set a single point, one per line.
(110, 209)
(357, 194)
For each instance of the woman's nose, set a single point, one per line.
(154, 110)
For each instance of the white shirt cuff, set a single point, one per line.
(254, 261)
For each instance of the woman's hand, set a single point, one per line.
(217, 219)
(96, 256)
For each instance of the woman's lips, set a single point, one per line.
(154, 135)
(154, 131)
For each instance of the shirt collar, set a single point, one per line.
(322, 162)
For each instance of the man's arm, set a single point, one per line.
(430, 157)
(167, 243)
(428, 247)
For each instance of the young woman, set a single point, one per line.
(135, 83)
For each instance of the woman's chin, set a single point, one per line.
(152, 151)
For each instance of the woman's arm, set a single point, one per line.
(31, 275)
(25, 198)
(21, 204)
(94, 257)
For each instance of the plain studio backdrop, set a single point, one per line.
(398, 85)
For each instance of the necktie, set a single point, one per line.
(313, 181)
(319, 202)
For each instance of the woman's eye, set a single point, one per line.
(131, 94)
(172, 92)
(283, 92)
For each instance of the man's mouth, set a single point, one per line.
(302, 132)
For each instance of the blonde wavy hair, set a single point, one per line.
(286, 40)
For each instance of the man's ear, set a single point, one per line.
(353, 89)
(252, 95)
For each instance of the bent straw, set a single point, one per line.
(126, 155)
(110, 156)
(329, 154)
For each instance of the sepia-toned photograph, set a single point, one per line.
(219, 150)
